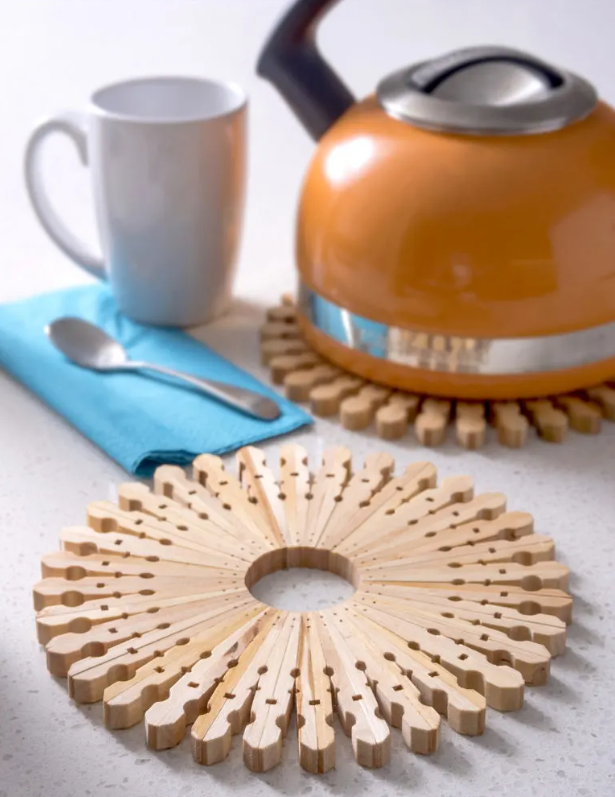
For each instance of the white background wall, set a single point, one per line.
(54, 52)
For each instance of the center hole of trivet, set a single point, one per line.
(302, 579)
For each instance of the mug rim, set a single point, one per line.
(239, 93)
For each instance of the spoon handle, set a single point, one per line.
(246, 401)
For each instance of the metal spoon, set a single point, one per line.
(90, 347)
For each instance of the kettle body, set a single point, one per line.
(456, 229)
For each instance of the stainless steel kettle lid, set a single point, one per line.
(487, 91)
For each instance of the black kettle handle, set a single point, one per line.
(291, 61)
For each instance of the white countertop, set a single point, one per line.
(51, 54)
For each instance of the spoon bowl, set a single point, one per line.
(86, 344)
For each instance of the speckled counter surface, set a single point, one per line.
(562, 741)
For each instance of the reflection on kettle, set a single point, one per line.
(346, 162)
(463, 215)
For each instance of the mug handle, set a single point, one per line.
(73, 125)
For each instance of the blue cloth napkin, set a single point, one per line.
(139, 419)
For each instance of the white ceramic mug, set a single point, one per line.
(168, 163)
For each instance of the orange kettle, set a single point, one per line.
(456, 229)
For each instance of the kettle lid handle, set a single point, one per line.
(291, 61)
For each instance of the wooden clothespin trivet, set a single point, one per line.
(307, 378)
(459, 604)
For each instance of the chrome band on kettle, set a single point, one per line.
(455, 354)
